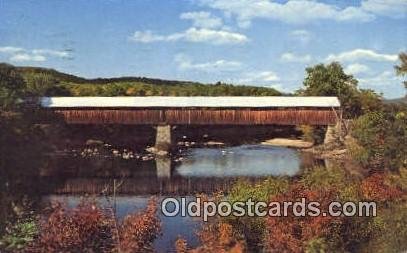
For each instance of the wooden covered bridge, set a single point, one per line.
(166, 111)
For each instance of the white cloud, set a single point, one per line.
(356, 68)
(302, 36)
(11, 49)
(216, 37)
(18, 54)
(385, 78)
(290, 57)
(56, 53)
(268, 76)
(391, 8)
(362, 54)
(258, 76)
(202, 19)
(295, 11)
(27, 57)
(147, 37)
(280, 87)
(185, 63)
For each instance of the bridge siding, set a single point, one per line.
(244, 116)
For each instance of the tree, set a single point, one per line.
(11, 86)
(369, 100)
(402, 68)
(331, 80)
(383, 137)
(38, 84)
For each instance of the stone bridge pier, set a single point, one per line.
(163, 139)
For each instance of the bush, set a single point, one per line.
(381, 138)
(216, 237)
(19, 235)
(291, 233)
(88, 228)
(262, 191)
(377, 188)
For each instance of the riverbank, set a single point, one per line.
(289, 143)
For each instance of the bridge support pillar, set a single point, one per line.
(163, 140)
(163, 165)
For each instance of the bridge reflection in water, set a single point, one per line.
(203, 171)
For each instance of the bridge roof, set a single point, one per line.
(162, 101)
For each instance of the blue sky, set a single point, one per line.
(254, 42)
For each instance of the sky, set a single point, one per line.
(253, 42)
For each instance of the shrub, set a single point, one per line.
(321, 178)
(214, 237)
(376, 188)
(243, 190)
(382, 138)
(252, 228)
(87, 228)
(291, 233)
(19, 236)
(137, 232)
(83, 229)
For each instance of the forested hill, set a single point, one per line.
(50, 82)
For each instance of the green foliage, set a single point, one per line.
(11, 86)
(382, 138)
(252, 228)
(400, 180)
(357, 152)
(356, 231)
(39, 84)
(42, 81)
(369, 100)
(319, 177)
(331, 80)
(178, 89)
(370, 132)
(392, 234)
(402, 68)
(317, 245)
(19, 235)
(262, 191)
(323, 178)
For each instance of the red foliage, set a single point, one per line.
(83, 229)
(216, 237)
(87, 228)
(375, 188)
(181, 245)
(138, 231)
(288, 234)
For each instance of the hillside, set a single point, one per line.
(55, 83)
(402, 100)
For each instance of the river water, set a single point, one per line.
(200, 170)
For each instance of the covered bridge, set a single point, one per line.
(165, 111)
(196, 110)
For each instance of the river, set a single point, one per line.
(199, 170)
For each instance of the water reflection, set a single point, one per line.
(202, 170)
(246, 160)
